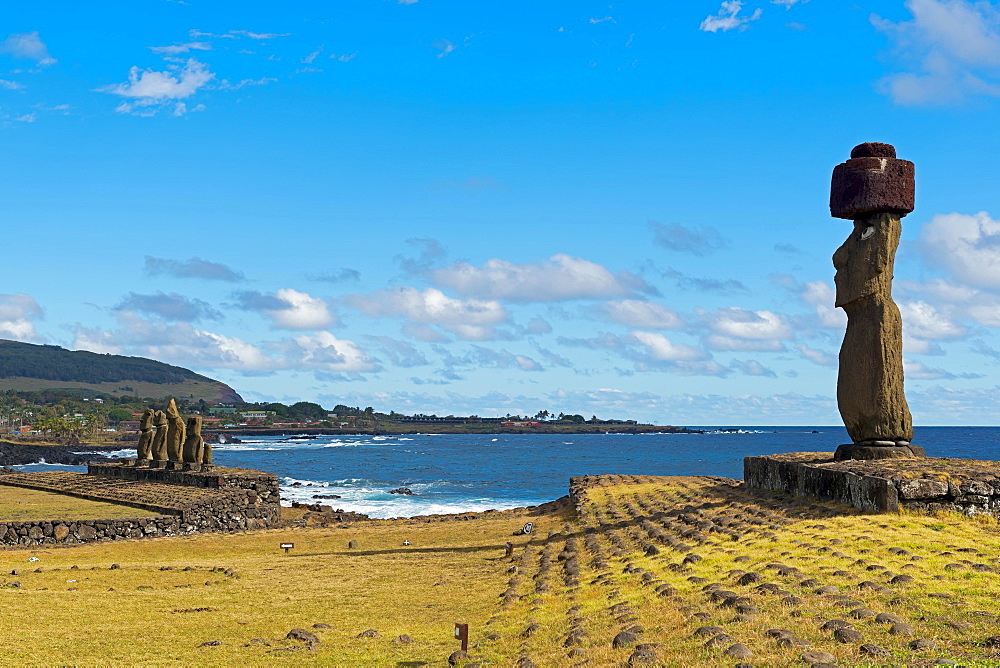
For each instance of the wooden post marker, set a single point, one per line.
(287, 546)
(508, 549)
(462, 633)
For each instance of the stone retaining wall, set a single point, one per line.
(931, 484)
(50, 532)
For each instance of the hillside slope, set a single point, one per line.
(26, 366)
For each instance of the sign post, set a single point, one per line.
(462, 633)
(287, 546)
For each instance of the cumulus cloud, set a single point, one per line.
(429, 252)
(326, 353)
(288, 308)
(787, 4)
(734, 328)
(147, 91)
(752, 368)
(17, 313)
(728, 18)
(638, 313)
(561, 277)
(192, 268)
(471, 319)
(967, 246)
(817, 356)
(10, 85)
(400, 353)
(176, 343)
(697, 241)
(27, 46)
(662, 349)
(951, 49)
(822, 296)
(170, 306)
(923, 321)
(919, 371)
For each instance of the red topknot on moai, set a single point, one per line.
(875, 190)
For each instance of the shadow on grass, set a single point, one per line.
(403, 550)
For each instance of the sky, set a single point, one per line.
(485, 208)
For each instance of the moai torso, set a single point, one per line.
(144, 449)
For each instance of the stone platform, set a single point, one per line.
(222, 499)
(924, 484)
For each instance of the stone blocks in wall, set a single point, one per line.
(967, 486)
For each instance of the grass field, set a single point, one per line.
(17, 503)
(671, 571)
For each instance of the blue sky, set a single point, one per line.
(496, 208)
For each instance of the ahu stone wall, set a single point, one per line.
(927, 484)
(227, 500)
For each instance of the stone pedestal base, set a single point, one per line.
(192, 466)
(157, 463)
(860, 451)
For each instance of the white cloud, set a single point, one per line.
(10, 85)
(728, 18)
(175, 49)
(734, 328)
(919, 371)
(27, 45)
(967, 246)
(148, 89)
(638, 313)
(923, 321)
(471, 319)
(954, 46)
(177, 343)
(752, 368)
(289, 309)
(787, 4)
(561, 277)
(323, 351)
(695, 240)
(822, 296)
(662, 349)
(816, 356)
(17, 312)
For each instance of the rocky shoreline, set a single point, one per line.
(15, 454)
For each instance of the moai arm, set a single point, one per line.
(875, 190)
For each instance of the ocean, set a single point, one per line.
(451, 473)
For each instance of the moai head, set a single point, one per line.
(159, 419)
(194, 426)
(172, 411)
(146, 421)
(874, 180)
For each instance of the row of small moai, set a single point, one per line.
(165, 441)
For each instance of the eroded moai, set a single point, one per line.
(160, 437)
(875, 190)
(175, 432)
(194, 444)
(144, 450)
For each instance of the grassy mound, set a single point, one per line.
(678, 571)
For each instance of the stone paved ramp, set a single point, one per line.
(158, 497)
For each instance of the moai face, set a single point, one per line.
(159, 419)
(146, 421)
(865, 260)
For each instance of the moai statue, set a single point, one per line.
(206, 457)
(175, 432)
(159, 446)
(144, 449)
(194, 444)
(875, 190)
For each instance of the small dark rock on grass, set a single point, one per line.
(370, 633)
(303, 636)
(403, 640)
(211, 643)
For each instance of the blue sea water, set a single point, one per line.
(455, 472)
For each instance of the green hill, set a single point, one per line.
(30, 367)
